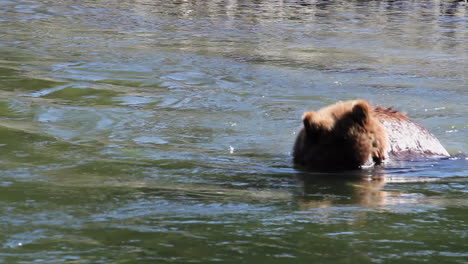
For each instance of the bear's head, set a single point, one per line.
(345, 135)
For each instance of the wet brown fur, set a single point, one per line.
(381, 112)
(341, 136)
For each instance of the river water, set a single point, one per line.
(160, 131)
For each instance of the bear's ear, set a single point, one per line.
(307, 119)
(361, 112)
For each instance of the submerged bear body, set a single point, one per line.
(352, 134)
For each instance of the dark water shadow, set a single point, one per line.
(366, 187)
(322, 189)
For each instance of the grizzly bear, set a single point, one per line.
(353, 134)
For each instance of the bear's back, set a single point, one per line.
(407, 139)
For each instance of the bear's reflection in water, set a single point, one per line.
(355, 188)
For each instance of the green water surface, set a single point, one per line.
(161, 131)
